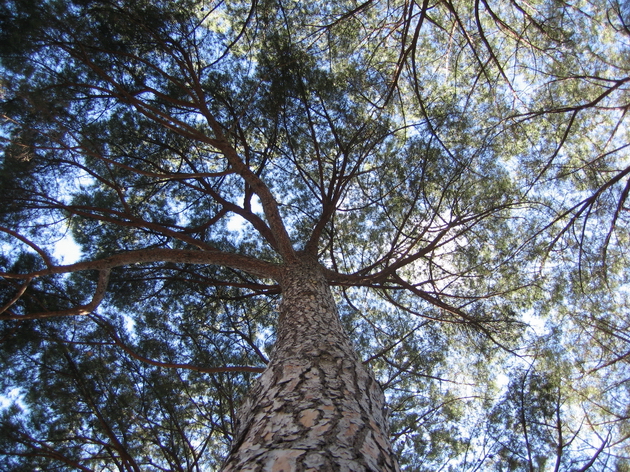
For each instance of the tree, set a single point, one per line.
(359, 201)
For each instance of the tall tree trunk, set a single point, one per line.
(316, 407)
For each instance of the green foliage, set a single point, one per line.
(460, 168)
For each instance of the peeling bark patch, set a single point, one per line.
(315, 407)
(283, 461)
(308, 417)
(349, 425)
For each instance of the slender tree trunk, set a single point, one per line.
(316, 407)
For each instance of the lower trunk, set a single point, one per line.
(316, 407)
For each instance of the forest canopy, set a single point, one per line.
(460, 169)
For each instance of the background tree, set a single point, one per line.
(459, 170)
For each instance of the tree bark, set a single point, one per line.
(316, 407)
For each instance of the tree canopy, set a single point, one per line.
(460, 169)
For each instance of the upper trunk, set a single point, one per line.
(316, 407)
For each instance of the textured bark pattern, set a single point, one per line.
(316, 407)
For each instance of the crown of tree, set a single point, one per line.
(414, 202)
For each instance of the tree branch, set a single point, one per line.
(207, 370)
(97, 298)
(185, 256)
(35, 247)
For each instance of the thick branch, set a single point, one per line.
(35, 247)
(267, 200)
(97, 298)
(235, 261)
